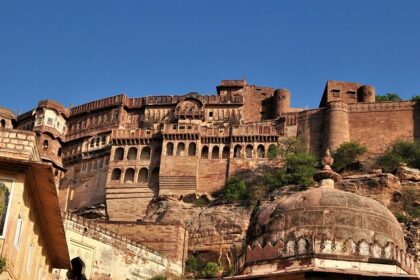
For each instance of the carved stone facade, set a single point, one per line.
(124, 151)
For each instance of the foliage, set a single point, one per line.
(403, 218)
(201, 202)
(388, 97)
(347, 154)
(3, 197)
(410, 202)
(415, 98)
(299, 168)
(210, 270)
(272, 152)
(2, 264)
(201, 269)
(236, 189)
(400, 152)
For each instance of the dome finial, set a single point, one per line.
(326, 172)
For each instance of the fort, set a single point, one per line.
(123, 152)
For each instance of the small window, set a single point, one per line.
(28, 261)
(45, 145)
(49, 121)
(174, 126)
(336, 93)
(210, 114)
(19, 225)
(351, 94)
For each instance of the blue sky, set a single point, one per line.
(78, 51)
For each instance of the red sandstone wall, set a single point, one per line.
(310, 125)
(211, 175)
(178, 174)
(253, 109)
(377, 130)
(166, 239)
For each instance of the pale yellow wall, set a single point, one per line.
(112, 259)
(17, 258)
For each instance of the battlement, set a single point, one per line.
(116, 100)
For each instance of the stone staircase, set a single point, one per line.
(177, 184)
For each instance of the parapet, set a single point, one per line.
(51, 104)
(18, 145)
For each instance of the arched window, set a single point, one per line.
(132, 153)
(237, 151)
(215, 152)
(119, 154)
(103, 140)
(170, 149)
(116, 174)
(97, 142)
(59, 152)
(3, 123)
(225, 152)
(180, 149)
(92, 143)
(143, 174)
(77, 269)
(129, 176)
(45, 144)
(260, 151)
(248, 151)
(145, 154)
(205, 152)
(191, 149)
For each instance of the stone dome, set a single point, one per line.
(326, 213)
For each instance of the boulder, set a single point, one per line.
(408, 174)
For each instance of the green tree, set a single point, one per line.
(415, 98)
(400, 152)
(347, 154)
(388, 97)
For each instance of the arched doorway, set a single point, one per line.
(77, 271)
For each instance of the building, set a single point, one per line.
(124, 151)
(326, 233)
(32, 238)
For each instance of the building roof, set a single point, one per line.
(41, 188)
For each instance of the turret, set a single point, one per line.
(366, 94)
(281, 102)
(337, 125)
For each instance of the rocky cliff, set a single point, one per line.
(217, 230)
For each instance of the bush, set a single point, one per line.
(299, 169)
(415, 98)
(400, 152)
(201, 269)
(346, 155)
(211, 270)
(388, 97)
(236, 189)
(2, 265)
(272, 152)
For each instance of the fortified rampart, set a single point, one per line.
(124, 151)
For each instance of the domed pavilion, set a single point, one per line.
(326, 233)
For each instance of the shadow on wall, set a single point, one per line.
(416, 120)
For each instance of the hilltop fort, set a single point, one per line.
(123, 152)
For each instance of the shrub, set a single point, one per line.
(272, 152)
(388, 97)
(211, 270)
(347, 154)
(299, 169)
(400, 152)
(2, 265)
(236, 189)
(415, 98)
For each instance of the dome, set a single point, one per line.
(326, 213)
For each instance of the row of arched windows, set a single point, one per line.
(180, 149)
(215, 151)
(130, 175)
(145, 153)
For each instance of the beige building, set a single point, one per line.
(32, 237)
